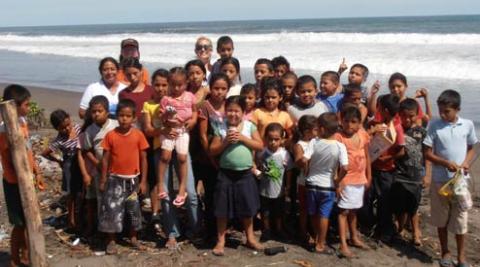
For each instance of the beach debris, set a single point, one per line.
(275, 250)
(99, 253)
(3, 234)
(303, 263)
(76, 241)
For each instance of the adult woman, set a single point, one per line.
(203, 50)
(108, 86)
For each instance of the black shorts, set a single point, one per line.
(14, 204)
(272, 207)
(72, 181)
(405, 197)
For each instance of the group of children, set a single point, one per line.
(253, 147)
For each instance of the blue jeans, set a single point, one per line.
(169, 211)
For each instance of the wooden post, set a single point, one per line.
(17, 145)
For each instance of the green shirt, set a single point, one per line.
(237, 156)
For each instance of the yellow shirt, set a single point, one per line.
(262, 118)
(152, 108)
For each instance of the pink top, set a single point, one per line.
(357, 161)
(182, 104)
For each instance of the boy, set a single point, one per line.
(19, 236)
(275, 164)
(329, 94)
(410, 171)
(356, 77)
(306, 103)
(92, 151)
(383, 167)
(449, 146)
(225, 50)
(263, 68)
(124, 160)
(280, 66)
(353, 95)
(326, 155)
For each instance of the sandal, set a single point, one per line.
(163, 195)
(446, 262)
(180, 200)
(111, 248)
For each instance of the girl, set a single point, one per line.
(271, 108)
(197, 74)
(308, 130)
(180, 112)
(231, 68)
(211, 117)
(152, 127)
(236, 193)
(249, 91)
(136, 91)
(66, 142)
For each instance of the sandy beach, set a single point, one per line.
(61, 252)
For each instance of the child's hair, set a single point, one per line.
(238, 100)
(304, 79)
(280, 60)
(409, 104)
(351, 89)
(275, 127)
(390, 102)
(131, 63)
(449, 98)
(57, 117)
(234, 62)
(397, 76)
(160, 73)
(105, 60)
(224, 40)
(218, 76)
(350, 112)
(363, 67)
(329, 122)
(305, 123)
(195, 62)
(17, 93)
(271, 83)
(99, 100)
(125, 103)
(178, 71)
(265, 61)
(289, 75)
(331, 75)
(248, 88)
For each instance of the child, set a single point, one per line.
(92, 153)
(210, 118)
(411, 174)
(306, 104)
(351, 187)
(353, 95)
(356, 77)
(308, 130)
(271, 109)
(152, 127)
(180, 112)
(275, 165)
(197, 81)
(236, 193)
(231, 68)
(18, 240)
(225, 50)
(329, 94)
(289, 82)
(326, 155)
(66, 142)
(249, 91)
(280, 66)
(449, 146)
(263, 68)
(384, 166)
(124, 160)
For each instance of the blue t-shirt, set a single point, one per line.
(333, 102)
(449, 141)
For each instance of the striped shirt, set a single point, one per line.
(64, 144)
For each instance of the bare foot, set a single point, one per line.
(136, 245)
(219, 249)
(345, 252)
(358, 244)
(172, 244)
(254, 245)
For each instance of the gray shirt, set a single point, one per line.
(94, 135)
(273, 166)
(296, 111)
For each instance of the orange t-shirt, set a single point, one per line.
(125, 151)
(9, 173)
(145, 76)
(357, 161)
(262, 118)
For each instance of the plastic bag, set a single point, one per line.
(457, 191)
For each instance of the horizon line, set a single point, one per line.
(239, 20)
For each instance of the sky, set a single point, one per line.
(75, 12)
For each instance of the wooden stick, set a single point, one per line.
(17, 145)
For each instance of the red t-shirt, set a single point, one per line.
(139, 98)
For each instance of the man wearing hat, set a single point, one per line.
(130, 48)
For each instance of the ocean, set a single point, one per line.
(438, 52)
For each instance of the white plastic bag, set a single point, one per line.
(461, 193)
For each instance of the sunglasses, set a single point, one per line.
(202, 47)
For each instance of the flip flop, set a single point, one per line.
(163, 195)
(325, 251)
(463, 264)
(180, 200)
(445, 263)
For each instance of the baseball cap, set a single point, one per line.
(129, 42)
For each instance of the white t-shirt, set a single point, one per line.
(301, 176)
(99, 88)
(234, 90)
(324, 156)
